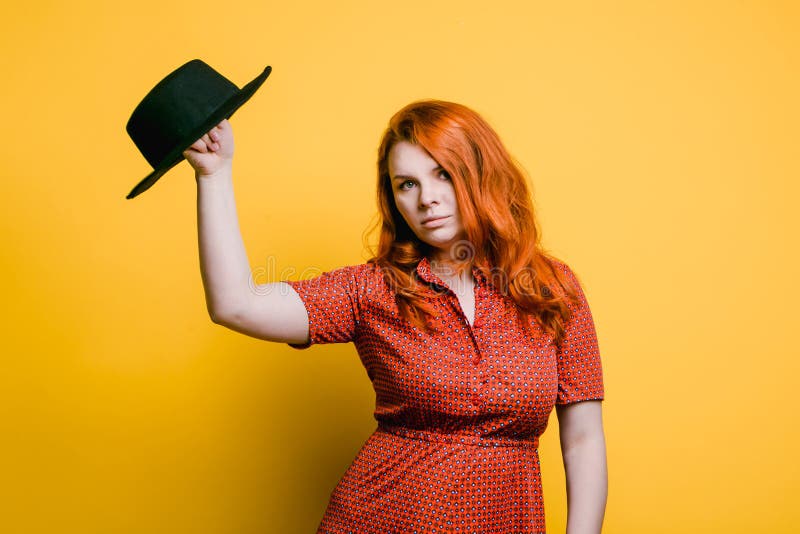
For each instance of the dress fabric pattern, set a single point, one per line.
(459, 410)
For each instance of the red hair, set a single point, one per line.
(503, 239)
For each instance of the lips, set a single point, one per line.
(431, 222)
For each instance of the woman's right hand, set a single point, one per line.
(212, 152)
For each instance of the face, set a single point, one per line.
(424, 195)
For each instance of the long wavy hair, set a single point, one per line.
(503, 238)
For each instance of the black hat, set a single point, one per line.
(180, 110)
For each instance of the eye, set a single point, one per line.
(406, 185)
(444, 175)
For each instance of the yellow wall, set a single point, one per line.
(662, 141)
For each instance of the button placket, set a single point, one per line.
(479, 394)
(476, 397)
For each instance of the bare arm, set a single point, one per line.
(270, 311)
(583, 447)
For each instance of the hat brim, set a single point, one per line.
(224, 111)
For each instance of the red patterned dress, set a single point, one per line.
(459, 411)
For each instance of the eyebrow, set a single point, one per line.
(405, 177)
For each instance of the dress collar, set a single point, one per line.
(426, 274)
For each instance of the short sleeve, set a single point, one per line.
(580, 373)
(331, 301)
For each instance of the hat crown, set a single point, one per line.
(176, 107)
(182, 107)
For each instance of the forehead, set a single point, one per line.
(409, 159)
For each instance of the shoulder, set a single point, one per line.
(363, 277)
(367, 276)
(364, 273)
(558, 265)
(357, 270)
(563, 273)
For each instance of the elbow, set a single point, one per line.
(586, 443)
(221, 316)
(225, 311)
(216, 317)
(580, 425)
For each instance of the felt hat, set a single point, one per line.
(179, 110)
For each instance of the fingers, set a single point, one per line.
(210, 139)
(207, 143)
(217, 142)
(199, 146)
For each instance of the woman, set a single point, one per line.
(469, 331)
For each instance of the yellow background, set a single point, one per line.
(661, 138)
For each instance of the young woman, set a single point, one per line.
(470, 333)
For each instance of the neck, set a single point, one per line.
(457, 276)
(449, 268)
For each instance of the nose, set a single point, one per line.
(428, 195)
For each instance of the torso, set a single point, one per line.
(463, 286)
(466, 297)
(459, 408)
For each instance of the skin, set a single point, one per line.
(274, 312)
(583, 448)
(425, 197)
(424, 191)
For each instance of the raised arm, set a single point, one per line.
(273, 311)
(583, 447)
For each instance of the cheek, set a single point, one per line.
(451, 198)
(402, 204)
